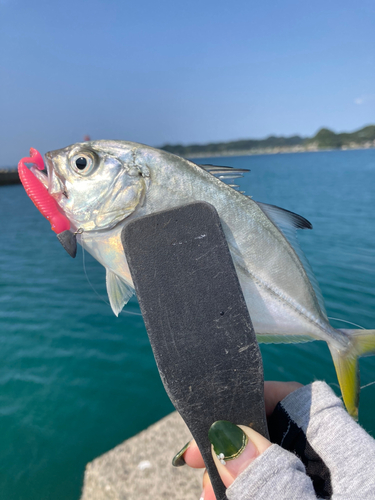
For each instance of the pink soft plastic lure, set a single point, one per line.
(39, 195)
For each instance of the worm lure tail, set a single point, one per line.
(45, 203)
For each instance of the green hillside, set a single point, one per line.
(323, 139)
(241, 145)
(326, 138)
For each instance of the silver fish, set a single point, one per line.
(101, 185)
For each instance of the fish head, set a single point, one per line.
(97, 184)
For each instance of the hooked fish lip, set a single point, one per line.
(49, 163)
(41, 175)
(56, 185)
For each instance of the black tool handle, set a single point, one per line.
(197, 321)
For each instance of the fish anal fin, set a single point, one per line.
(272, 338)
(118, 291)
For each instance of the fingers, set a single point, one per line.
(208, 492)
(274, 392)
(234, 448)
(189, 455)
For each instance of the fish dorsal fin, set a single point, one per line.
(288, 223)
(118, 291)
(225, 173)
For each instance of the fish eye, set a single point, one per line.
(83, 163)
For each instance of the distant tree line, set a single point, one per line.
(323, 139)
(326, 138)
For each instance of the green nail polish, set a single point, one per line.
(228, 440)
(178, 459)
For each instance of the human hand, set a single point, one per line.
(242, 444)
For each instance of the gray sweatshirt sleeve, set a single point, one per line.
(347, 450)
(276, 475)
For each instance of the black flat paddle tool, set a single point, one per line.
(197, 321)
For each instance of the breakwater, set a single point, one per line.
(9, 176)
(141, 467)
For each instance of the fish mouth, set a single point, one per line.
(48, 178)
(48, 162)
(49, 165)
(36, 188)
(41, 175)
(36, 185)
(54, 183)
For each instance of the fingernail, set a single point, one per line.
(231, 446)
(202, 496)
(178, 459)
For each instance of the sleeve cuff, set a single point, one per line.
(276, 474)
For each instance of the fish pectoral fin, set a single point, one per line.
(118, 291)
(346, 365)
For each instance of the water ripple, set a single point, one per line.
(75, 380)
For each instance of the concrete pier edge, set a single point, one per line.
(140, 467)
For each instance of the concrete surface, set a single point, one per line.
(141, 467)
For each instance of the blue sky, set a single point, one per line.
(181, 72)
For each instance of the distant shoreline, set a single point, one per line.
(10, 176)
(273, 151)
(324, 139)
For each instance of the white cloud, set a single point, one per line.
(364, 99)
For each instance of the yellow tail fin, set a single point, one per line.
(346, 364)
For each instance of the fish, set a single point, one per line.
(100, 186)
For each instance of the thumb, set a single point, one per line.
(234, 448)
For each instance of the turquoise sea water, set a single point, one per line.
(75, 380)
